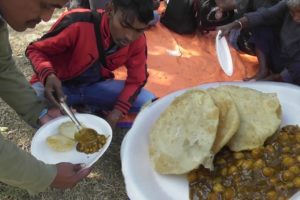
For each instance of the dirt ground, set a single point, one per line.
(106, 180)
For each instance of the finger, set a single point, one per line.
(77, 167)
(83, 173)
(49, 95)
(223, 33)
(60, 94)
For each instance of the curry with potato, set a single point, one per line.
(269, 172)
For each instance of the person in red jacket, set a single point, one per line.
(76, 60)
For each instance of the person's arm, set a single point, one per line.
(263, 68)
(15, 90)
(267, 16)
(136, 79)
(20, 169)
(40, 52)
(263, 16)
(137, 75)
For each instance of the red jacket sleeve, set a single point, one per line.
(41, 51)
(136, 75)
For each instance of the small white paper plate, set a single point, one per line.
(223, 54)
(143, 182)
(41, 151)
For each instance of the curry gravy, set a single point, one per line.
(269, 172)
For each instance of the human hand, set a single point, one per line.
(53, 90)
(225, 29)
(68, 175)
(113, 118)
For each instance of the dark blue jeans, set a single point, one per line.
(101, 95)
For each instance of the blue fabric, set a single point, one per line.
(100, 96)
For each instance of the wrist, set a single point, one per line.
(46, 74)
(51, 75)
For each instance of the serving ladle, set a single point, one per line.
(71, 115)
(88, 139)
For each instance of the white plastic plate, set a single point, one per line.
(223, 54)
(41, 151)
(143, 183)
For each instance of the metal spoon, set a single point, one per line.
(69, 112)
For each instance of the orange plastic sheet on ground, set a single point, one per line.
(179, 61)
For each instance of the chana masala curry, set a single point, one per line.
(89, 141)
(269, 172)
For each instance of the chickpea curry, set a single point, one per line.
(269, 172)
(89, 141)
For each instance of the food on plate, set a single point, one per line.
(199, 123)
(89, 141)
(68, 129)
(260, 116)
(229, 119)
(183, 135)
(268, 172)
(60, 143)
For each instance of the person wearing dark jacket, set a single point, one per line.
(251, 41)
(77, 60)
(285, 16)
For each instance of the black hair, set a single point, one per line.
(142, 9)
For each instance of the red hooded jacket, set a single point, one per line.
(70, 47)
